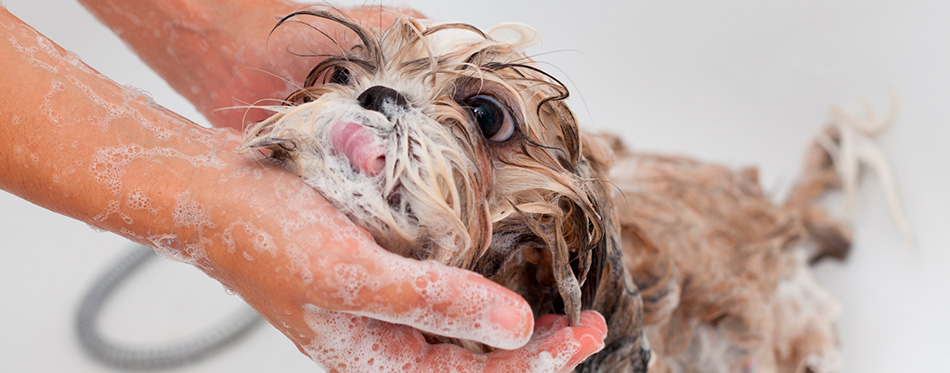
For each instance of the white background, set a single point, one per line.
(740, 82)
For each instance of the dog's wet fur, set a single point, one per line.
(693, 267)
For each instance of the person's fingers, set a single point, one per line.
(544, 323)
(357, 344)
(594, 320)
(343, 269)
(560, 349)
(426, 295)
(455, 303)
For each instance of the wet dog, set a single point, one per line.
(450, 144)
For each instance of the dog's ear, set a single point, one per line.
(600, 151)
(263, 135)
(593, 165)
(277, 142)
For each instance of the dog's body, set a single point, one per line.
(449, 145)
(722, 271)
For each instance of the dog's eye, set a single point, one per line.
(341, 76)
(492, 117)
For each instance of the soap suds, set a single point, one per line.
(350, 343)
(112, 208)
(46, 107)
(168, 246)
(188, 213)
(137, 200)
(109, 164)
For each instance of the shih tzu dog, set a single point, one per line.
(450, 144)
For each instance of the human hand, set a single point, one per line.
(386, 299)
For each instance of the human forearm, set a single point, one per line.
(58, 116)
(211, 52)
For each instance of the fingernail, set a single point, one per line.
(595, 320)
(511, 324)
(590, 344)
(507, 318)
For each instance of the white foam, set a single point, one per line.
(168, 246)
(46, 107)
(136, 93)
(109, 164)
(137, 200)
(353, 278)
(349, 343)
(435, 283)
(545, 361)
(29, 52)
(73, 59)
(125, 232)
(300, 261)
(112, 208)
(46, 46)
(189, 213)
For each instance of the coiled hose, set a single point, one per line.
(158, 356)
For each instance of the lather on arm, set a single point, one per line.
(76, 143)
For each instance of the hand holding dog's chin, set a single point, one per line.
(349, 298)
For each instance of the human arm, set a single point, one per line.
(223, 54)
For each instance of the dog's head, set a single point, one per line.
(450, 145)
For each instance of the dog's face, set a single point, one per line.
(449, 145)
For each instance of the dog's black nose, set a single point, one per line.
(376, 97)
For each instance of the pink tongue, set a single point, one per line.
(360, 146)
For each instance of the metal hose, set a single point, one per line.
(160, 355)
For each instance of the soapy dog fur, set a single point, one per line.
(450, 144)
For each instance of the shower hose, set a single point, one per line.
(160, 355)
